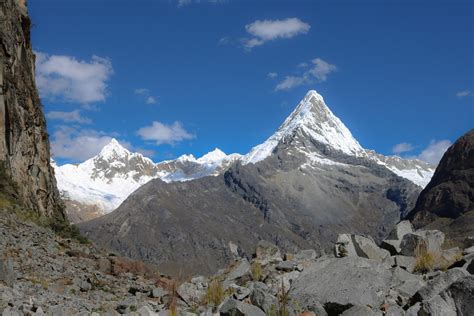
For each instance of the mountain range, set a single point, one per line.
(309, 181)
(100, 184)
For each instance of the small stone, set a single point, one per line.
(158, 292)
(286, 266)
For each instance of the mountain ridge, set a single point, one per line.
(301, 195)
(311, 118)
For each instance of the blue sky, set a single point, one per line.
(175, 77)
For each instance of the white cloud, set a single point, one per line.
(165, 134)
(69, 117)
(272, 75)
(224, 41)
(78, 144)
(269, 30)
(290, 82)
(465, 93)
(321, 69)
(69, 79)
(147, 97)
(318, 71)
(435, 151)
(402, 148)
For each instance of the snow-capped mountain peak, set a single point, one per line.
(313, 118)
(113, 150)
(213, 156)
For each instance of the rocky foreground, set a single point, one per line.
(41, 273)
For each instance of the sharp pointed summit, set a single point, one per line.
(311, 118)
(113, 149)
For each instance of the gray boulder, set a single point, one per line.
(405, 262)
(462, 292)
(260, 297)
(400, 230)
(469, 250)
(434, 239)
(392, 246)
(240, 271)
(470, 267)
(233, 307)
(286, 266)
(267, 252)
(354, 245)
(306, 255)
(413, 310)
(360, 311)
(394, 239)
(410, 243)
(439, 284)
(395, 310)
(190, 293)
(438, 306)
(342, 283)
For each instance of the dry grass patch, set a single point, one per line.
(256, 270)
(215, 294)
(425, 261)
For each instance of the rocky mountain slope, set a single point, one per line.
(100, 184)
(26, 176)
(447, 202)
(41, 273)
(308, 182)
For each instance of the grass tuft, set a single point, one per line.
(425, 260)
(256, 270)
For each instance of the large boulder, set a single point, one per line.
(233, 307)
(439, 283)
(261, 297)
(392, 243)
(354, 245)
(342, 283)
(432, 239)
(400, 230)
(240, 272)
(438, 305)
(462, 292)
(361, 311)
(267, 252)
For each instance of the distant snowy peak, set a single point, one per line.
(108, 178)
(313, 118)
(417, 171)
(113, 150)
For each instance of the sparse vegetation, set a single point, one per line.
(215, 294)
(173, 298)
(256, 270)
(425, 260)
(283, 303)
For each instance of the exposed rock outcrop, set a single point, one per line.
(447, 202)
(26, 173)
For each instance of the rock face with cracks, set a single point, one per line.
(26, 176)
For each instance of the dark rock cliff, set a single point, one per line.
(26, 173)
(447, 202)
